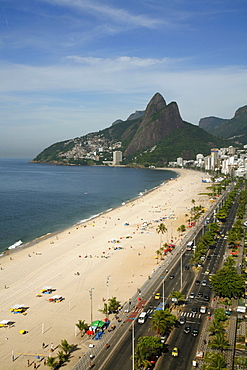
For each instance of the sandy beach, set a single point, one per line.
(88, 249)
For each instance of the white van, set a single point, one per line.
(142, 317)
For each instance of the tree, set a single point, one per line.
(65, 346)
(219, 314)
(82, 326)
(146, 348)
(228, 283)
(219, 341)
(163, 321)
(61, 357)
(140, 359)
(111, 306)
(161, 229)
(52, 362)
(216, 327)
(216, 361)
(178, 295)
(230, 262)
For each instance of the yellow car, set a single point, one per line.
(175, 352)
(157, 296)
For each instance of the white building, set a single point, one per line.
(117, 157)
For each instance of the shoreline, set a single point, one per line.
(10, 250)
(89, 249)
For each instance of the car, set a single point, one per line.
(198, 282)
(200, 294)
(182, 320)
(209, 257)
(206, 297)
(210, 286)
(175, 352)
(199, 264)
(192, 295)
(172, 276)
(157, 296)
(204, 282)
(187, 329)
(203, 309)
(207, 272)
(186, 267)
(195, 332)
(194, 309)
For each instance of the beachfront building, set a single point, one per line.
(117, 157)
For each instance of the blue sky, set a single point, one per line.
(70, 67)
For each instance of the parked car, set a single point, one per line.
(198, 282)
(200, 294)
(204, 282)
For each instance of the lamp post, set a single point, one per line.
(91, 299)
(163, 291)
(181, 267)
(107, 285)
(133, 345)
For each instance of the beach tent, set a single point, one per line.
(4, 323)
(17, 306)
(55, 298)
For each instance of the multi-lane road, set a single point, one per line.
(193, 282)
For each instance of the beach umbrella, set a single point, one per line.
(22, 331)
(98, 323)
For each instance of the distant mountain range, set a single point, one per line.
(234, 128)
(151, 137)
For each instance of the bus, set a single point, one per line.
(142, 317)
(189, 246)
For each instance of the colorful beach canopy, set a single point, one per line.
(98, 323)
(5, 322)
(17, 306)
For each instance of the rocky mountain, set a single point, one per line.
(151, 137)
(234, 128)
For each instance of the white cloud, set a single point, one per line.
(117, 15)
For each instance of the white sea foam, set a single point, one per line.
(17, 244)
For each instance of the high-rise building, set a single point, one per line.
(117, 157)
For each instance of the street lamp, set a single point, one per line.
(91, 298)
(107, 285)
(181, 267)
(163, 291)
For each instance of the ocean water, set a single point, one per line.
(37, 199)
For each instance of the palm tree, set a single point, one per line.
(162, 321)
(219, 341)
(52, 362)
(65, 346)
(82, 326)
(178, 295)
(161, 229)
(140, 359)
(61, 357)
(216, 327)
(216, 361)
